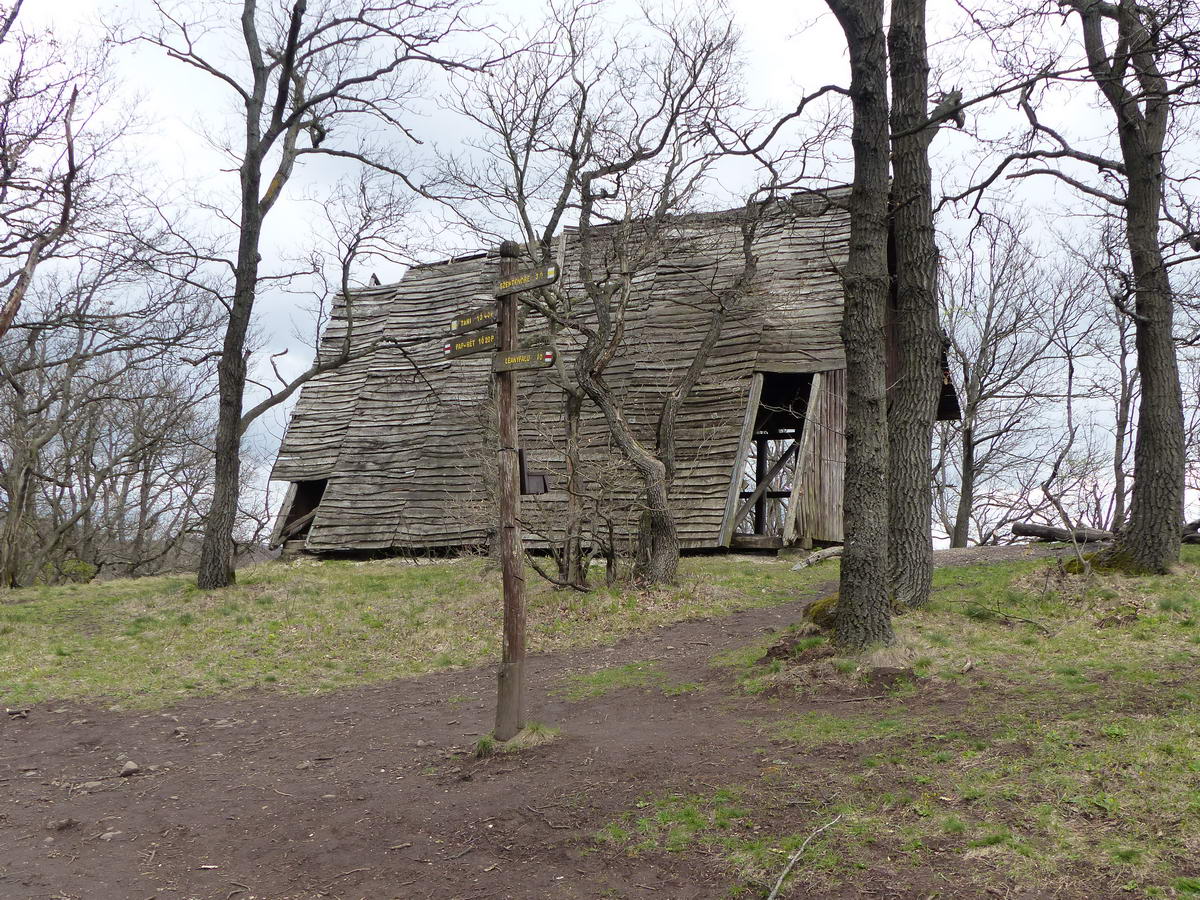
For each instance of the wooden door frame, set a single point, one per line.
(754, 395)
(803, 457)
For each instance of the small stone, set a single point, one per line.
(307, 764)
(130, 768)
(61, 824)
(91, 785)
(422, 743)
(109, 835)
(329, 796)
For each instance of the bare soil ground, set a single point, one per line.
(374, 792)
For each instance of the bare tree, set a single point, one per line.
(913, 396)
(305, 80)
(94, 415)
(1142, 59)
(863, 614)
(620, 134)
(1006, 316)
(53, 176)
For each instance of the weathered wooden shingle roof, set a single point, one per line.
(406, 437)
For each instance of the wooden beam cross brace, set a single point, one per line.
(749, 502)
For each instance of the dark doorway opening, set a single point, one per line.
(303, 510)
(769, 472)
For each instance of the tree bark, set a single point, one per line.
(570, 566)
(863, 614)
(1121, 431)
(658, 538)
(966, 489)
(15, 518)
(1150, 542)
(217, 550)
(913, 401)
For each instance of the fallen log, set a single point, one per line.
(1191, 532)
(813, 558)
(1061, 535)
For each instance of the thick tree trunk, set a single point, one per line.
(12, 562)
(658, 540)
(1150, 541)
(913, 401)
(863, 614)
(216, 550)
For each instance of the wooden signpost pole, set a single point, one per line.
(510, 694)
(470, 335)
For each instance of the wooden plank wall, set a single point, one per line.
(408, 453)
(819, 510)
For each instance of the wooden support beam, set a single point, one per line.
(729, 522)
(762, 485)
(295, 527)
(803, 459)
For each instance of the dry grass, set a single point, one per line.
(311, 626)
(1053, 748)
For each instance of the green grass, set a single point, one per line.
(647, 674)
(613, 678)
(1069, 749)
(813, 729)
(534, 734)
(314, 626)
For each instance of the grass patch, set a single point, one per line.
(815, 728)
(1067, 762)
(312, 626)
(613, 678)
(534, 734)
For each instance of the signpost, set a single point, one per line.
(479, 317)
(508, 360)
(470, 344)
(514, 282)
(525, 358)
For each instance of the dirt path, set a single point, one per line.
(365, 793)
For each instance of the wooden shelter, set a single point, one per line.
(394, 451)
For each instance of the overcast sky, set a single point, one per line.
(786, 49)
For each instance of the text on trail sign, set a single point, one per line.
(469, 344)
(527, 281)
(527, 358)
(479, 317)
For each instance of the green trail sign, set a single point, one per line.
(472, 319)
(469, 344)
(526, 281)
(525, 358)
